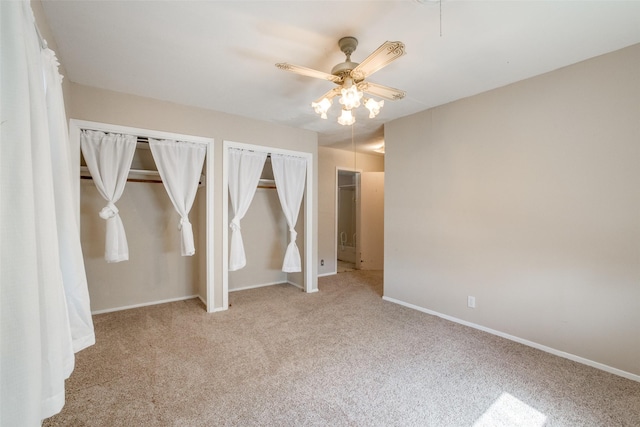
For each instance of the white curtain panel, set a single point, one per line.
(35, 335)
(180, 167)
(108, 158)
(71, 260)
(289, 173)
(245, 168)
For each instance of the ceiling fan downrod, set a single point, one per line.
(347, 46)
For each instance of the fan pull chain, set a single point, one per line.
(353, 144)
(440, 18)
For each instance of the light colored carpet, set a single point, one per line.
(340, 357)
(344, 267)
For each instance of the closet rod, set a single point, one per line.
(85, 174)
(131, 180)
(267, 183)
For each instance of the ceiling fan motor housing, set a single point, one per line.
(347, 46)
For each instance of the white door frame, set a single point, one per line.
(335, 214)
(75, 126)
(308, 214)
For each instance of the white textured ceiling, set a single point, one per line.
(220, 55)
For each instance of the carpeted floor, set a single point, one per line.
(340, 357)
(344, 267)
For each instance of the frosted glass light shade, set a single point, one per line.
(346, 118)
(350, 95)
(373, 107)
(322, 107)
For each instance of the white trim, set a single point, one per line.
(309, 239)
(264, 285)
(544, 348)
(213, 310)
(75, 126)
(301, 287)
(294, 284)
(259, 285)
(308, 210)
(149, 133)
(145, 304)
(225, 226)
(331, 273)
(210, 228)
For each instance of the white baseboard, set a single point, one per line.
(217, 310)
(544, 348)
(144, 304)
(331, 273)
(260, 285)
(296, 285)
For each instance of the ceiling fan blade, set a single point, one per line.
(381, 57)
(304, 71)
(385, 92)
(329, 95)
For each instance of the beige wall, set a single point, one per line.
(93, 104)
(265, 234)
(329, 160)
(526, 197)
(155, 270)
(371, 248)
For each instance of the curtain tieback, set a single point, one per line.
(293, 234)
(235, 224)
(109, 211)
(183, 221)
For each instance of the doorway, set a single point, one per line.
(347, 224)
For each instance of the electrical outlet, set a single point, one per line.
(471, 302)
(321, 262)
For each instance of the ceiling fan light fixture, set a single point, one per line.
(373, 106)
(346, 118)
(322, 107)
(349, 78)
(350, 95)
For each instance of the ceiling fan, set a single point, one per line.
(350, 78)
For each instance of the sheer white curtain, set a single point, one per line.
(35, 332)
(180, 166)
(289, 173)
(71, 260)
(245, 168)
(108, 158)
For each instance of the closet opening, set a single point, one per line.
(272, 231)
(167, 225)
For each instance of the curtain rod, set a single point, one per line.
(139, 138)
(268, 154)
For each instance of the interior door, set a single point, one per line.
(371, 233)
